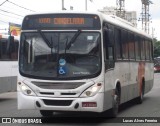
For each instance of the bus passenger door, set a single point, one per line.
(108, 42)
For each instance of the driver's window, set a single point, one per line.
(108, 41)
(109, 45)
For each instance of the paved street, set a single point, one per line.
(149, 108)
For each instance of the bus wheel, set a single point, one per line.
(140, 98)
(46, 113)
(115, 103)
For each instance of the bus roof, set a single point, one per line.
(112, 19)
(123, 24)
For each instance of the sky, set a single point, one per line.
(78, 5)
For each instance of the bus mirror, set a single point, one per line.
(109, 62)
(110, 53)
(9, 42)
(108, 31)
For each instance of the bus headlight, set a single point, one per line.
(91, 91)
(26, 90)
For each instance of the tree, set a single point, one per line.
(156, 47)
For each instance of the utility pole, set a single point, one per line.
(145, 15)
(63, 5)
(120, 9)
(86, 4)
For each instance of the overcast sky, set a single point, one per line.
(79, 5)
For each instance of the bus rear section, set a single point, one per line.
(8, 63)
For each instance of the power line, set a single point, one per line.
(5, 29)
(11, 13)
(3, 3)
(19, 6)
(10, 16)
(4, 21)
(11, 8)
(7, 22)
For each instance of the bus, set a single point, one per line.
(82, 62)
(8, 63)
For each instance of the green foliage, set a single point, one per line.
(156, 47)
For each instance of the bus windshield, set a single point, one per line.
(60, 55)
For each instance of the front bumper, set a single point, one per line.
(30, 102)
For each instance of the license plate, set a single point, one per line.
(89, 104)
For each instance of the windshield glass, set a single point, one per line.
(60, 55)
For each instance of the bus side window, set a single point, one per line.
(131, 41)
(4, 56)
(151, 50)
(10, 43)
(137, 47)
(142, 49)
(109, 45)
(118, 44)
(147, 50)
(14, 50)
(125, 43)
(110, 53)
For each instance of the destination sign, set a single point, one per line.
(61, 21)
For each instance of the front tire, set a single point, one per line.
(115, 103)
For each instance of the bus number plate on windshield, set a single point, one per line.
(89, 104)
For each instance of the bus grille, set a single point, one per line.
(50, 93)
(51, 85)
(58, 102)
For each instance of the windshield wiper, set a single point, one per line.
(73, 39)
(66, 46)
(45, 39)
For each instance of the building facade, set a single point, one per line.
(130, 16)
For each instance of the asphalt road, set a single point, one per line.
(149, 108)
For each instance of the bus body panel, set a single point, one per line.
(129, 83)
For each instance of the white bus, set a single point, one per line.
(91, 62)
(8, 63)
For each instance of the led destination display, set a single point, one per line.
(61, 21)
